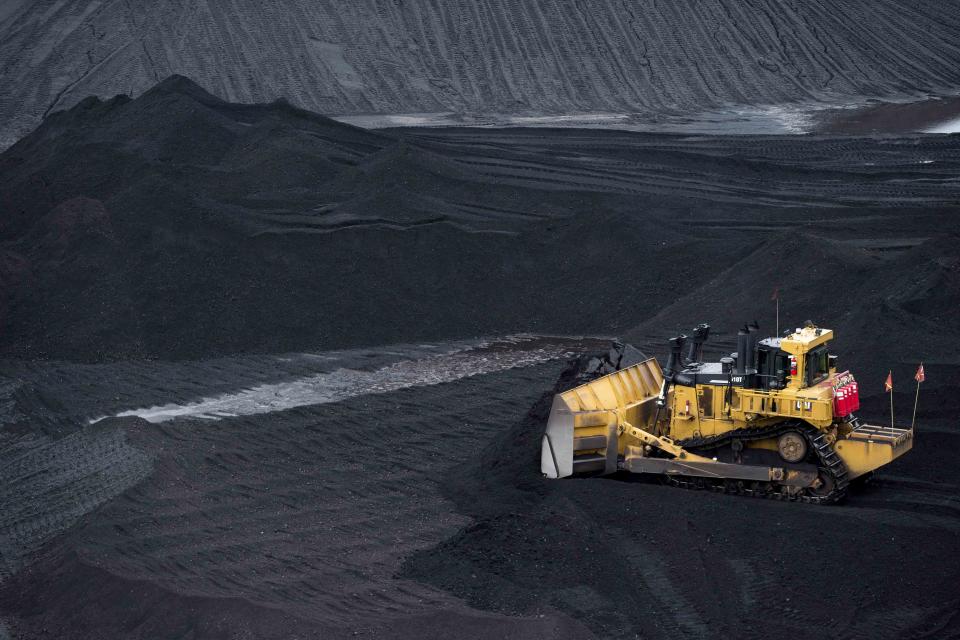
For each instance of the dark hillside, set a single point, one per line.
(481, 59)
(177, 225)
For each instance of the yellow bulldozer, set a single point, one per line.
(774, 419)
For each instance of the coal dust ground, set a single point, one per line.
(267, 375)
(418, 510)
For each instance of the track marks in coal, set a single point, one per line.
(664, 585)
(908, 502)
(765, 170)
(47, 484)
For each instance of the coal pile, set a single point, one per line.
(251, 226)
(180, 226)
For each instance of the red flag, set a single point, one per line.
(888, 385)
(920, 377)
(776, 294)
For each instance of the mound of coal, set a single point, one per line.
(179, 226)
(638, 559)
(479, 57)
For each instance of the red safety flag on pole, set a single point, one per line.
(919, 376)
(776, 294)
(888, 387)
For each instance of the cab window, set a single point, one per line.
(818, 365)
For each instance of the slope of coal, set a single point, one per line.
(177, 225)
(251, 226)
(475, 57)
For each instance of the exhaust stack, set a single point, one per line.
(754, 333)
(743, 350)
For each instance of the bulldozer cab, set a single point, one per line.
(799, 367)
(808, 359)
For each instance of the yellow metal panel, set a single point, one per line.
(623, 395)
(597, 409)
(787, 404)
(617, 390)
(870, 448)
(798, 343)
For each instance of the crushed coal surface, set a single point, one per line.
(421, 511)
(288, 523)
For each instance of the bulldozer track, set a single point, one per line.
(828, 462)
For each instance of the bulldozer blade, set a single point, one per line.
(581, 433)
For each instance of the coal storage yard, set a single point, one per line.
(266, 374)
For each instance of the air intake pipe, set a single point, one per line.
(673, 364)
(695, 346)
